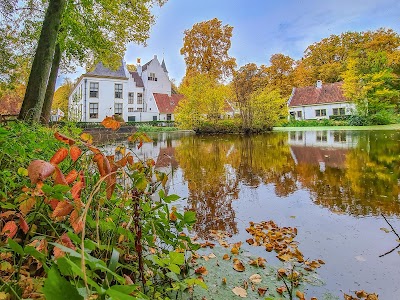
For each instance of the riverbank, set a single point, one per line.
(354, 128)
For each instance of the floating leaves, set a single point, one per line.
(239, 291)
(259, 262)
(362, 295)
(238, 265)
(255, 278)
(201, 271)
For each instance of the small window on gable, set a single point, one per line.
(152, 77)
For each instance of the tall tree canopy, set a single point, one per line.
(83, 31)
(205, 49)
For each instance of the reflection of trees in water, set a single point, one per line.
(359, 181)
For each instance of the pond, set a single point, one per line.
(333, 186)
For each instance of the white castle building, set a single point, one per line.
(144, 95)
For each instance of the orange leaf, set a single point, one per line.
(62, 209)
(102, 164)
(130, 159)
(86, 137)
(63, 138)
(71, 176)
(94, 149)
(53, 203)
(140, 137)
(24, 226)
(26, 206)
(7, 214)
(59, 156)
(238, 266)
(77, 189)
(111, 182)
(122, 162)
(201, 270)
(75, 152)
(66, 241)
(10, 229)
(76, 222)
(110, 122)
(59, 177)
(39, 170)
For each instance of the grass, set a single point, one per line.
(318, 128)
(148, 128)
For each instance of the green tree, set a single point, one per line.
(204, 101)
(61, 96)
(83, 31)
(371, 83)
(205, 49)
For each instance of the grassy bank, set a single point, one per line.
(318, 128)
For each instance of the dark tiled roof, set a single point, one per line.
(144, 67)
(101, 71)
(164, 66)
(167, 104)
(166, 158)
(311, 95)
(136, 77)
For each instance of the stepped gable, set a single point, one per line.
(167, 104)
(138, 80)
(312, 95)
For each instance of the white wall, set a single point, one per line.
(308, 112)
(322, 138)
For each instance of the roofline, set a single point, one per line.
(291, 96)
(155, 101)
(323, 103)
(102, 76)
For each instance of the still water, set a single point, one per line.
(332, 185)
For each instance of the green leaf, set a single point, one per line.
(176, 258)
(47, 189)
(22, 171)
(15, 247)
(59, 188)
(117, 295)
(172, 276)
(189, 217)
(57, 287)
(174, 268)
(171, 198)
(38, 255)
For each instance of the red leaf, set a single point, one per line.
(7, 214)
(66, 241)
(71, 176)
(62, 209)
(10, 229)
(59, 156)
(75, 152)
(24, 226)
(39, 170)
(76, 222)
(95, 150)
(26, 205)
(130, 159)
(77, 189)
(59, 177)
(53, 203)
(64, 139)
(110, 122)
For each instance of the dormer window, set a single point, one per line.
(152, 77)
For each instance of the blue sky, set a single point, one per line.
(261, 27)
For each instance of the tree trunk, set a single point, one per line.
(35, 91)
(51, 85)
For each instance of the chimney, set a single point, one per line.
(139, 67)
(319, 84)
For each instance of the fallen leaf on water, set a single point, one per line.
(201, 270)
(238, 291)
(226, 257)
(235, 250)
(259, 262)
(385, 229)
(361, 294)
(255, 278)
(262, 291)
(238, 266)
(211, 256)
(224, 280)
(280, 290)
(300, 295)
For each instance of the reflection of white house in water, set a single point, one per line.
(324, 148)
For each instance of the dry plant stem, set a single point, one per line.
(83, 217)
(394, 231)
(138, 233)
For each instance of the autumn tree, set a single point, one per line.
(371, 83)
(61, 96)
(80, 32)
(204, 101)
(280, 73)
(205, 49)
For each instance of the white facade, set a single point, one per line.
(321, 111)
(104, 92)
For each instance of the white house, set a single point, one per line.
(319, 102)
(144, 95)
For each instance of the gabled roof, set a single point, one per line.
(101, 71)
(167, 104)
(334, 158)
(138, 80)
(311, 95)
(144, 67)
(164, 66)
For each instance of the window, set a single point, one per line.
(339, 136)
(320, 112)
(339, 111)
(322, 136)
(131, 97)
(139, 109)
(130, 109)
(118, 109)
(292, 115)
(131, 119)
(152, 77)
(118, 90)
(293, 136)
(93, 110)
(154, 118)
(169, 117)
(94, 89)
(299, 114)
(139, 98)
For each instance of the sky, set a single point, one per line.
(260, 27)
